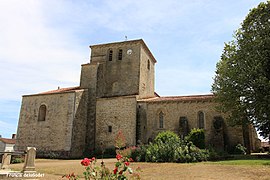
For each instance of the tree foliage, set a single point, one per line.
(120, 140)
(242, 80)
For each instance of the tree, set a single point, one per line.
(120, 140)
(242, 81)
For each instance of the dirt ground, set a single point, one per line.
(55, 169)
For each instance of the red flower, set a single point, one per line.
(69, 176)
(131, 160)
(121, 172)
(85, 162)
(115, 170)
(127, 163)
(93, 158)
(118, 157)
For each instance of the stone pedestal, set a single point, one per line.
(6, 161)
(29, 163)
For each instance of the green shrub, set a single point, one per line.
(163, 148)
(17, 159)
(120, 140)
(127, 152)
(239, 149)
(167, 137)
(217, 155)
(197, 137)
(167, 147)
(188, 152)
(139, 154)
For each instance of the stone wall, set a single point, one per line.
(89, 78)
(147, 75)
(255, 142)
(117, 77)
(120, 114)
(54, 135)
(173, 110)
(79, 129)
(2, 146)
(9, 147)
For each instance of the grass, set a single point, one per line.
(253, 168)
(248, 162)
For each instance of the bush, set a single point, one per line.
(217, 155)
(160, 152)
(121, 171)
(197, 137)
(163, 148)
(167, 137)
(127, 152)
(139, 153)
(167, 147)
(120, 140)
(188, 152)
(239, 149)
(17, 159)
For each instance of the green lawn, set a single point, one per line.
(250, 162)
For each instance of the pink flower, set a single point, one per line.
(85, 162)
(127, 163)
(118, 157)
(93, 158)
(131, 160)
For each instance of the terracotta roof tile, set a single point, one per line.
(265, 144)
(8, 141)
(180, 98)
(61, 90)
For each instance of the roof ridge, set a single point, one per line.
(61, 90)
(8, 140)
(180, 98)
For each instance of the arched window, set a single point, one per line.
(161, 120)
(120, 54)
(148, 64)
(201, 120)
(42, 113)
(110, 55)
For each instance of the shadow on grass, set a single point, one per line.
(258, 159)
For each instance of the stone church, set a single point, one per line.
(116, 93)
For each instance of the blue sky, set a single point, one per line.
(44, 42)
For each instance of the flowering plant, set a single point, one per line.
(95, 172)
(120, 140)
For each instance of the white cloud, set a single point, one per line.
(33, 55)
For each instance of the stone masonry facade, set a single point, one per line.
(116, 93)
